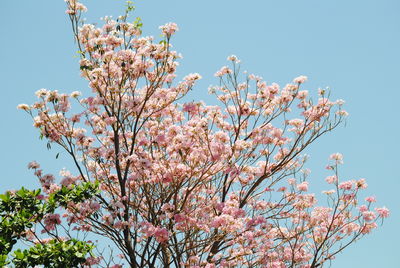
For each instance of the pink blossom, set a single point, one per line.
(329, 192)
(192, 77)
(161, 235)
(361, 184)
(383, 212)
(179, 218)
(169, 28)
(346, 185)
(338, 157)
(50, 221)
(331, 179)
(41, 93)
(53, 188)
(33, 165)
(303, 186)
(368, 227)
(66, 181)
(191, 108)
(369, 215)
(75, 94)
(370, 199)
(363, 208)
(301, 79)
(232, 58)
(302, 94)
(109, 219)
(93, 260)
(224, 70)
(110, 120)
(342, 113)
(23, 106)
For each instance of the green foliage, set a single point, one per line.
(83, 67)
(55, 253)
(129, 7)
(138, 23)
(20, 210)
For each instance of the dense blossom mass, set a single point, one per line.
(187, 184)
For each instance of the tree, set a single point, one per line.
(188, 184)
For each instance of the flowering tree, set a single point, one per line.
(191, 185)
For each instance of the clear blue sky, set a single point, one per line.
(351, 46)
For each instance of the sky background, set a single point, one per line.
(353, 47)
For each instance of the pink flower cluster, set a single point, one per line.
(50, 222)
(169, 29)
